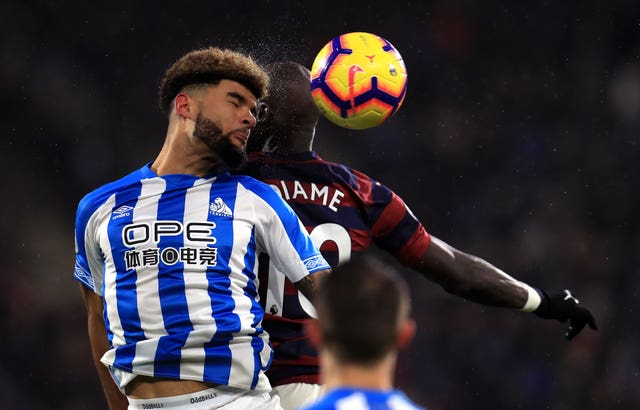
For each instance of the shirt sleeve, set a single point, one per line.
(393, 226)
(284, 238)
(89, 264)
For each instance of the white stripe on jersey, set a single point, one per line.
(198, 298)
(115, 325)
(148, 299)
(356, 401)
(397, 402)
(276, 242)
(353, 399)
(240, 352)
(94, 256)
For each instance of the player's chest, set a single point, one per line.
(184, 227)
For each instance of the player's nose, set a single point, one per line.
(248, 118)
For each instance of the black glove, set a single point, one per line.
(562, 306)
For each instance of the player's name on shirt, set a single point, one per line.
(308, 191)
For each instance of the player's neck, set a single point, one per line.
(178, 156)
(378, 376)
(293, 139)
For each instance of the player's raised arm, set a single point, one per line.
(474, 278)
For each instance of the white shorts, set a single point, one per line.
(296, 395)
(220, 397)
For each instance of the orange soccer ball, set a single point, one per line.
(358, 80)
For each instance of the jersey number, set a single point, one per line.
(319, 235)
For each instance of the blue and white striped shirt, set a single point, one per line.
(363, 399)
(173, 258)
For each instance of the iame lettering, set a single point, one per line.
(321, 194)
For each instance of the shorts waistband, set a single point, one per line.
(213, 397)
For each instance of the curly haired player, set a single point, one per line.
(165, 256)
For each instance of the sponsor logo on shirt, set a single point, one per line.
(219, 208)
(83, 275)
(124, 210)
(315, 261)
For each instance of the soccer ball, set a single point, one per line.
(358, 80)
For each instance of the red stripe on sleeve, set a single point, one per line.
(411, 253)
(390, 217)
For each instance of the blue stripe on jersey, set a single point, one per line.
(126, 293)
(218, 362)
(107, 322)
(380, 197)
(256, 310)
(251, 290)
(258, 345)
(171, 289)
(222, 307)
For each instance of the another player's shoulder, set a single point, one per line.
(343, 173)
(362, 399)
(253, 186)
(309, 166)
(272, 164)
(249, 182)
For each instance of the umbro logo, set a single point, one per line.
(219, 208)
(124, 210)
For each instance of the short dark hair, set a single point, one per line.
(209, 66)
(360, 306)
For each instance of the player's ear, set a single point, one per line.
(312, 329)
(184, 105)
(406, 333)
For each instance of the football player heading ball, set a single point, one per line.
(345, 212)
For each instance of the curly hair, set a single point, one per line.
(209, 66)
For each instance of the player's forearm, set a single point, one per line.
(115, 399)
(99, 345)
(483, 283)
(477, 280)
(471, 277)
(309, 284)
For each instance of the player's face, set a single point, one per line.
(221, 145)
(225, 118)
(232, 107)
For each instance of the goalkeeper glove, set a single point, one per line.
(563, 306)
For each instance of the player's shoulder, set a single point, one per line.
(252, 184)
(364, 399)
(344, 173)
(98, 196)
(270, 165)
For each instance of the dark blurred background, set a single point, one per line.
(518, 142)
